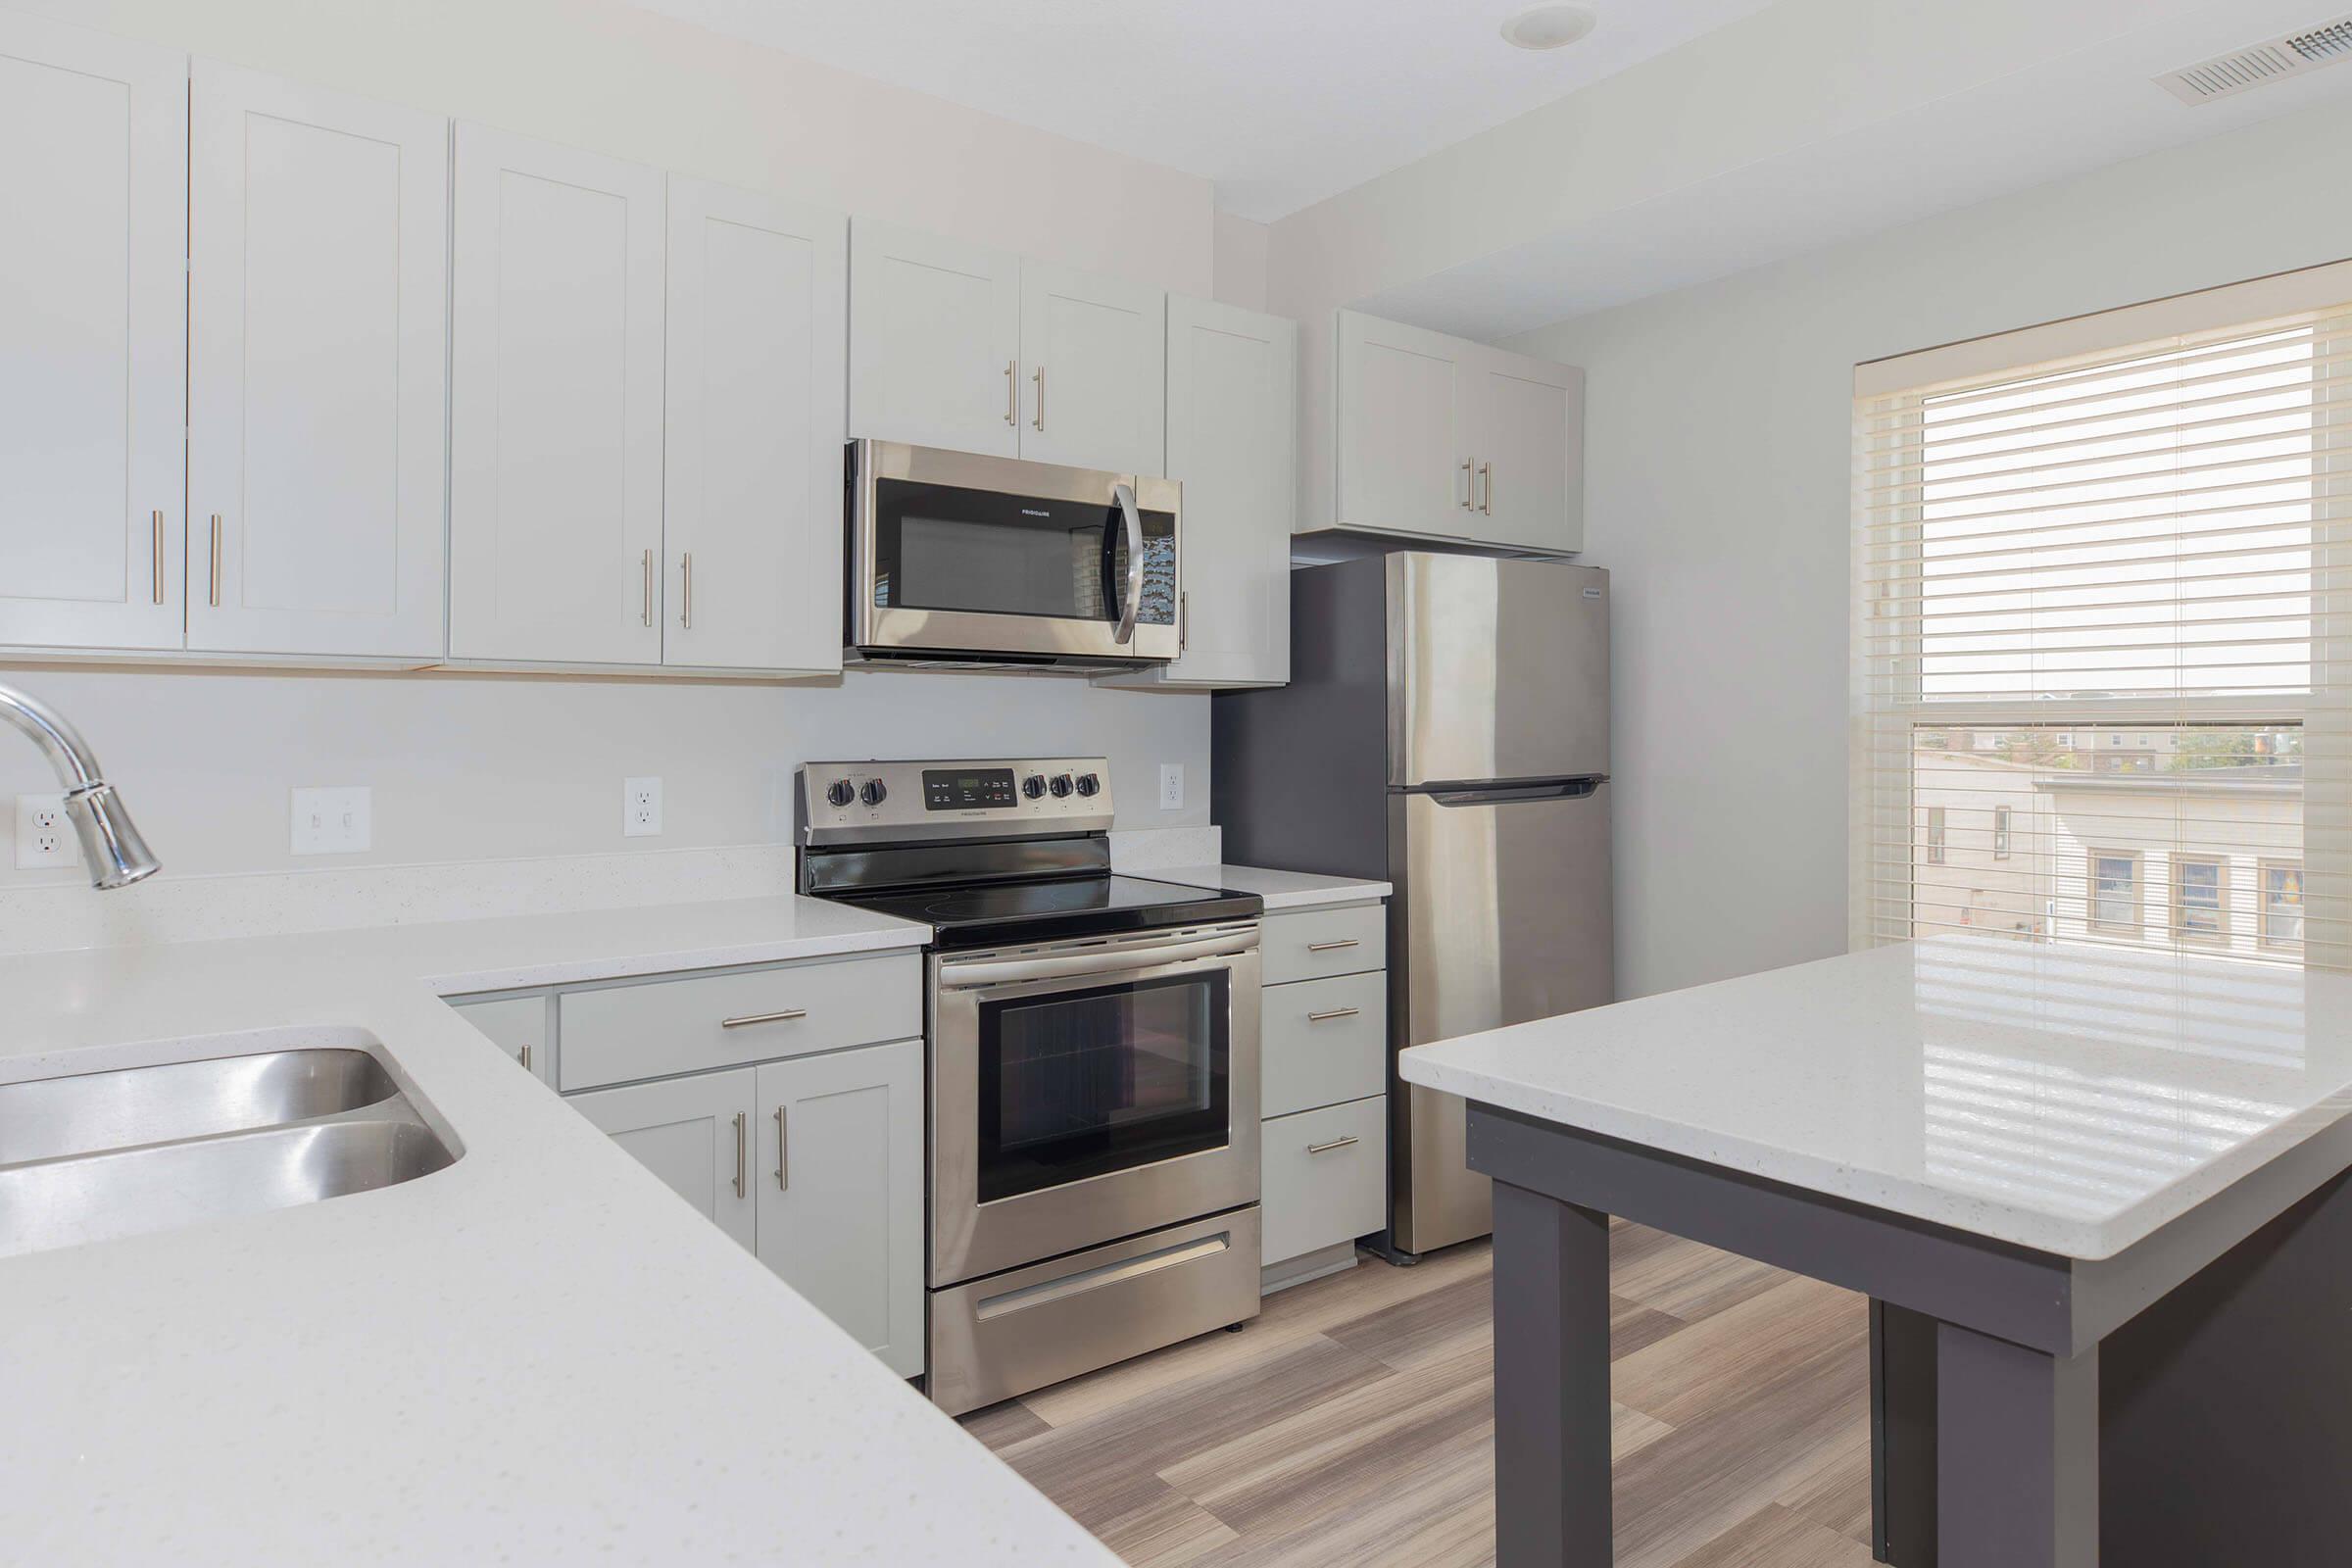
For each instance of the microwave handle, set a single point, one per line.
(1124, 494)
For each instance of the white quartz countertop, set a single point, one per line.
(1282, 890)
(536, 1355)
(2067, 1099)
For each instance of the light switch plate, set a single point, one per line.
(44, 837)
(640, 808)
(333, 821)
(1171, 786)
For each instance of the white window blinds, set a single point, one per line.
(2102, 661)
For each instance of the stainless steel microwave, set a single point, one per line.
(958, 557)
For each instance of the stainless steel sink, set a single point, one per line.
(96, 1156)
(52, 1118)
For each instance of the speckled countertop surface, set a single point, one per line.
(1282, 890)
(536, 1355)
(2065, 1098)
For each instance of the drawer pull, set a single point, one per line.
(1335, 1142)
(1332, 1013)
(1330, 946)
(750, 1018)
(526, 1058)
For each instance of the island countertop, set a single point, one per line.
(536, 1355)
(2064, 1098)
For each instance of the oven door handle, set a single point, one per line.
(1124, 494)
(965, 974)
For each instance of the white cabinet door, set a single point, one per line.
(320, 319)
(935, 340)
(841, 1191)
(759, 323)
(93, 334)
(694, 1132)
(1530, 450)
(1405, 405)
(1096, 354)
(555, 405)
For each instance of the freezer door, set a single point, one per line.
(1497, 670)
(1502, 914)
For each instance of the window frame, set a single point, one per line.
(2178, 907)
(1936, 835)
(2138, 926)
(2004, 827)
(2264, 865)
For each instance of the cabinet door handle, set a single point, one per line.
(1335, 1142)
(1486, 473)
(1040, 378)
(1469, 487)
(783, 1164)
(216, 562)
(742, 1127)
(159, 557)
(524, 1057)
(1184, 621)
(750, 1018)
(1333, 946)
(1332, 1013)
(686, 590)
(1012, 396)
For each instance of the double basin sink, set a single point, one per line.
(98, 1156)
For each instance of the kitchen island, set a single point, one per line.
(538, 1354)
(2098, 1199)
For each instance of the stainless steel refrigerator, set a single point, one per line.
(1446, 730)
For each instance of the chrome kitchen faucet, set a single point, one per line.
(110, 841)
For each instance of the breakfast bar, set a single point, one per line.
(2098, 1200)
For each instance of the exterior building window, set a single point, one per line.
(1935, 835)
(2115, 891)
(2000, 832)
(2200, 898)
(2282, 905)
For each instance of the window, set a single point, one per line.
(2113, 882)
(2096, 568)
(2200, 898)
(2282, 905)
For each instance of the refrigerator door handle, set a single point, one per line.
(1558, 789)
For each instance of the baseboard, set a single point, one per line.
(1322, 1261)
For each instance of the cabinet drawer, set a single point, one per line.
(1323, 1042)
(723, 1020)
(1315, 943)
(1326, 1176)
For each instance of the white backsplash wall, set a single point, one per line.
(467, 767)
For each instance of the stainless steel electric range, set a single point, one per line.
(1093, 1061)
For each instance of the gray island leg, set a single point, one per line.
(1551, 1383)
(2017, 1452)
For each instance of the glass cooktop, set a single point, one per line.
(985, 914)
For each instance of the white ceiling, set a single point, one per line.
(1280, 102)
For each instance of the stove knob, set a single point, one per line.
(1061, 785)
(1034, 785)
(1088, 784)
(840, 792)
(874, 794)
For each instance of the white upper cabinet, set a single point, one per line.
(319, 289)
(555, 349)
(1233, 441)
(93, 329)
(758, 323)
(934, 341)
(1442, 438)
(959, 346)
(1095, 352)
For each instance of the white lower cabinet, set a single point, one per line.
(520, 1027)
(1326, 1176)
(694, 1132)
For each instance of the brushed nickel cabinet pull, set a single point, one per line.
(686, 590)
(749, 1018)
(742, 1127)
(1012, 396)
(159, 557)
(1469, 487)
(526, 1058)
(1040, 378)
(216, 562)
(1332, 946)
(646, 576)
(1486, 473)
(783, 1164)
(1184, 621)
(1332, 1013)
(1335, 1142)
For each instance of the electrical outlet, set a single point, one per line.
(640, 808)
(43, 834)
(333, 821)
(1171, 786)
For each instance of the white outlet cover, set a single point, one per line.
(640, 808)
(336, 820)
(1171, 786)
(44, 838)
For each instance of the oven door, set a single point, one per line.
(954, 553)
(1087, 1091)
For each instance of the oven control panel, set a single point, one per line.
(876, 801)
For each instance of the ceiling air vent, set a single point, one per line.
(2262, 64)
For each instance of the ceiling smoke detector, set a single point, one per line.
(2260, 65)
(1548, 26)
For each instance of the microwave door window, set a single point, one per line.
(984, 554)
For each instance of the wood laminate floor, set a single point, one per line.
(1352, 1423)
